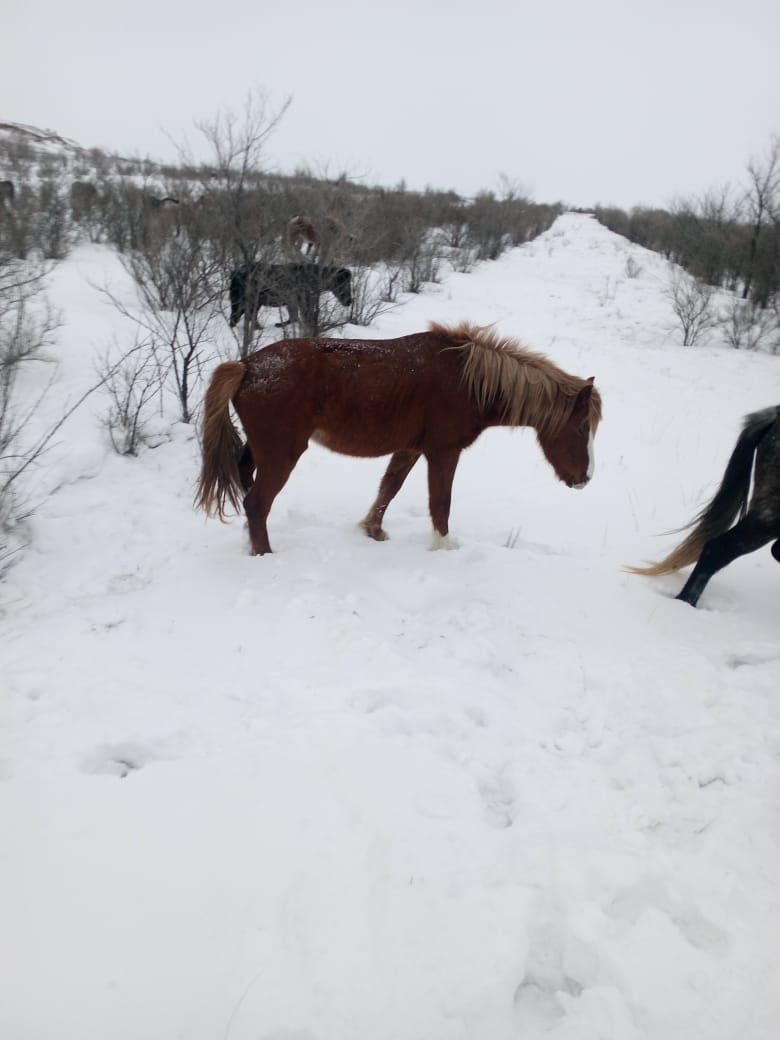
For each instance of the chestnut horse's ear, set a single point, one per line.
(583, 397)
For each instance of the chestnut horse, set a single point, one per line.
(714, 543)
(311, 239)
(431, 394)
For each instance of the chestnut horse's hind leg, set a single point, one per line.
(745, 537)
(397, 471)
(441, 471)
(269, 480)
(246, 467)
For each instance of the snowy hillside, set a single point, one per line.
(357, 790)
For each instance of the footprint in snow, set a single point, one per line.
(119, 759)
(751, 656)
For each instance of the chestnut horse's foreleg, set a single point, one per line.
(269, 480)
(441, 471)
(397, 471)
(745, 537)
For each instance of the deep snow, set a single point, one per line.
(364, 790)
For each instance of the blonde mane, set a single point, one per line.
(527, 387)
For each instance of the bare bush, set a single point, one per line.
(19, 224)
(691, 302)
(368, 297)
(52, 225)
(463, 259)
(27, 326)
(421, 261)
(487, 226)
(746, 326)
(179, 286)
(132, 386)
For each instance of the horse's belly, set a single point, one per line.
(368, 444)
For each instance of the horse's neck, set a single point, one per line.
(498, 414)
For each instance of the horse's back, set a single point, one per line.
(356, 397)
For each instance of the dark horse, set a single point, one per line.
(294, 286)
(714, 543)
(431, 394)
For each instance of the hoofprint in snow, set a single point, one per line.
(357, 789)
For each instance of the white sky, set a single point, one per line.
(607, 101)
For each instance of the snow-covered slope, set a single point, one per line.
(363, 790)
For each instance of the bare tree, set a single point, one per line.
(232, 199)
(762, 201)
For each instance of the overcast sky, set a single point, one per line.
(584, 102)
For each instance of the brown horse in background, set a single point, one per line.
(310, 238)
(431, 394)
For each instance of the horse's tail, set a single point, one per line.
(219, 480)
(729, 502)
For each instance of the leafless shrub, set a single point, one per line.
(368, 297)
(633, 269)
(390, 282)
(456, 233)
(745, 326)
(421, 264)
(178, 284)
(52, 224)
(462, 259)
(27, 326)
(487, 226)
(25, 330)
(132, 386)
(18, 227)
(691, 301)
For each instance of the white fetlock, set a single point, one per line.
(442, 541)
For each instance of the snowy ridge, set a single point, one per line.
(34, 135)
(357, 789)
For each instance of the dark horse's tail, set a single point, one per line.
(219, 480)
(730, 500)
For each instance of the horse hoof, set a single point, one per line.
(684, 599)
(374, 532)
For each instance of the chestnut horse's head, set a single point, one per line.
(570, 449)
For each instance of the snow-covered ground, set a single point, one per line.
(357, 790)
